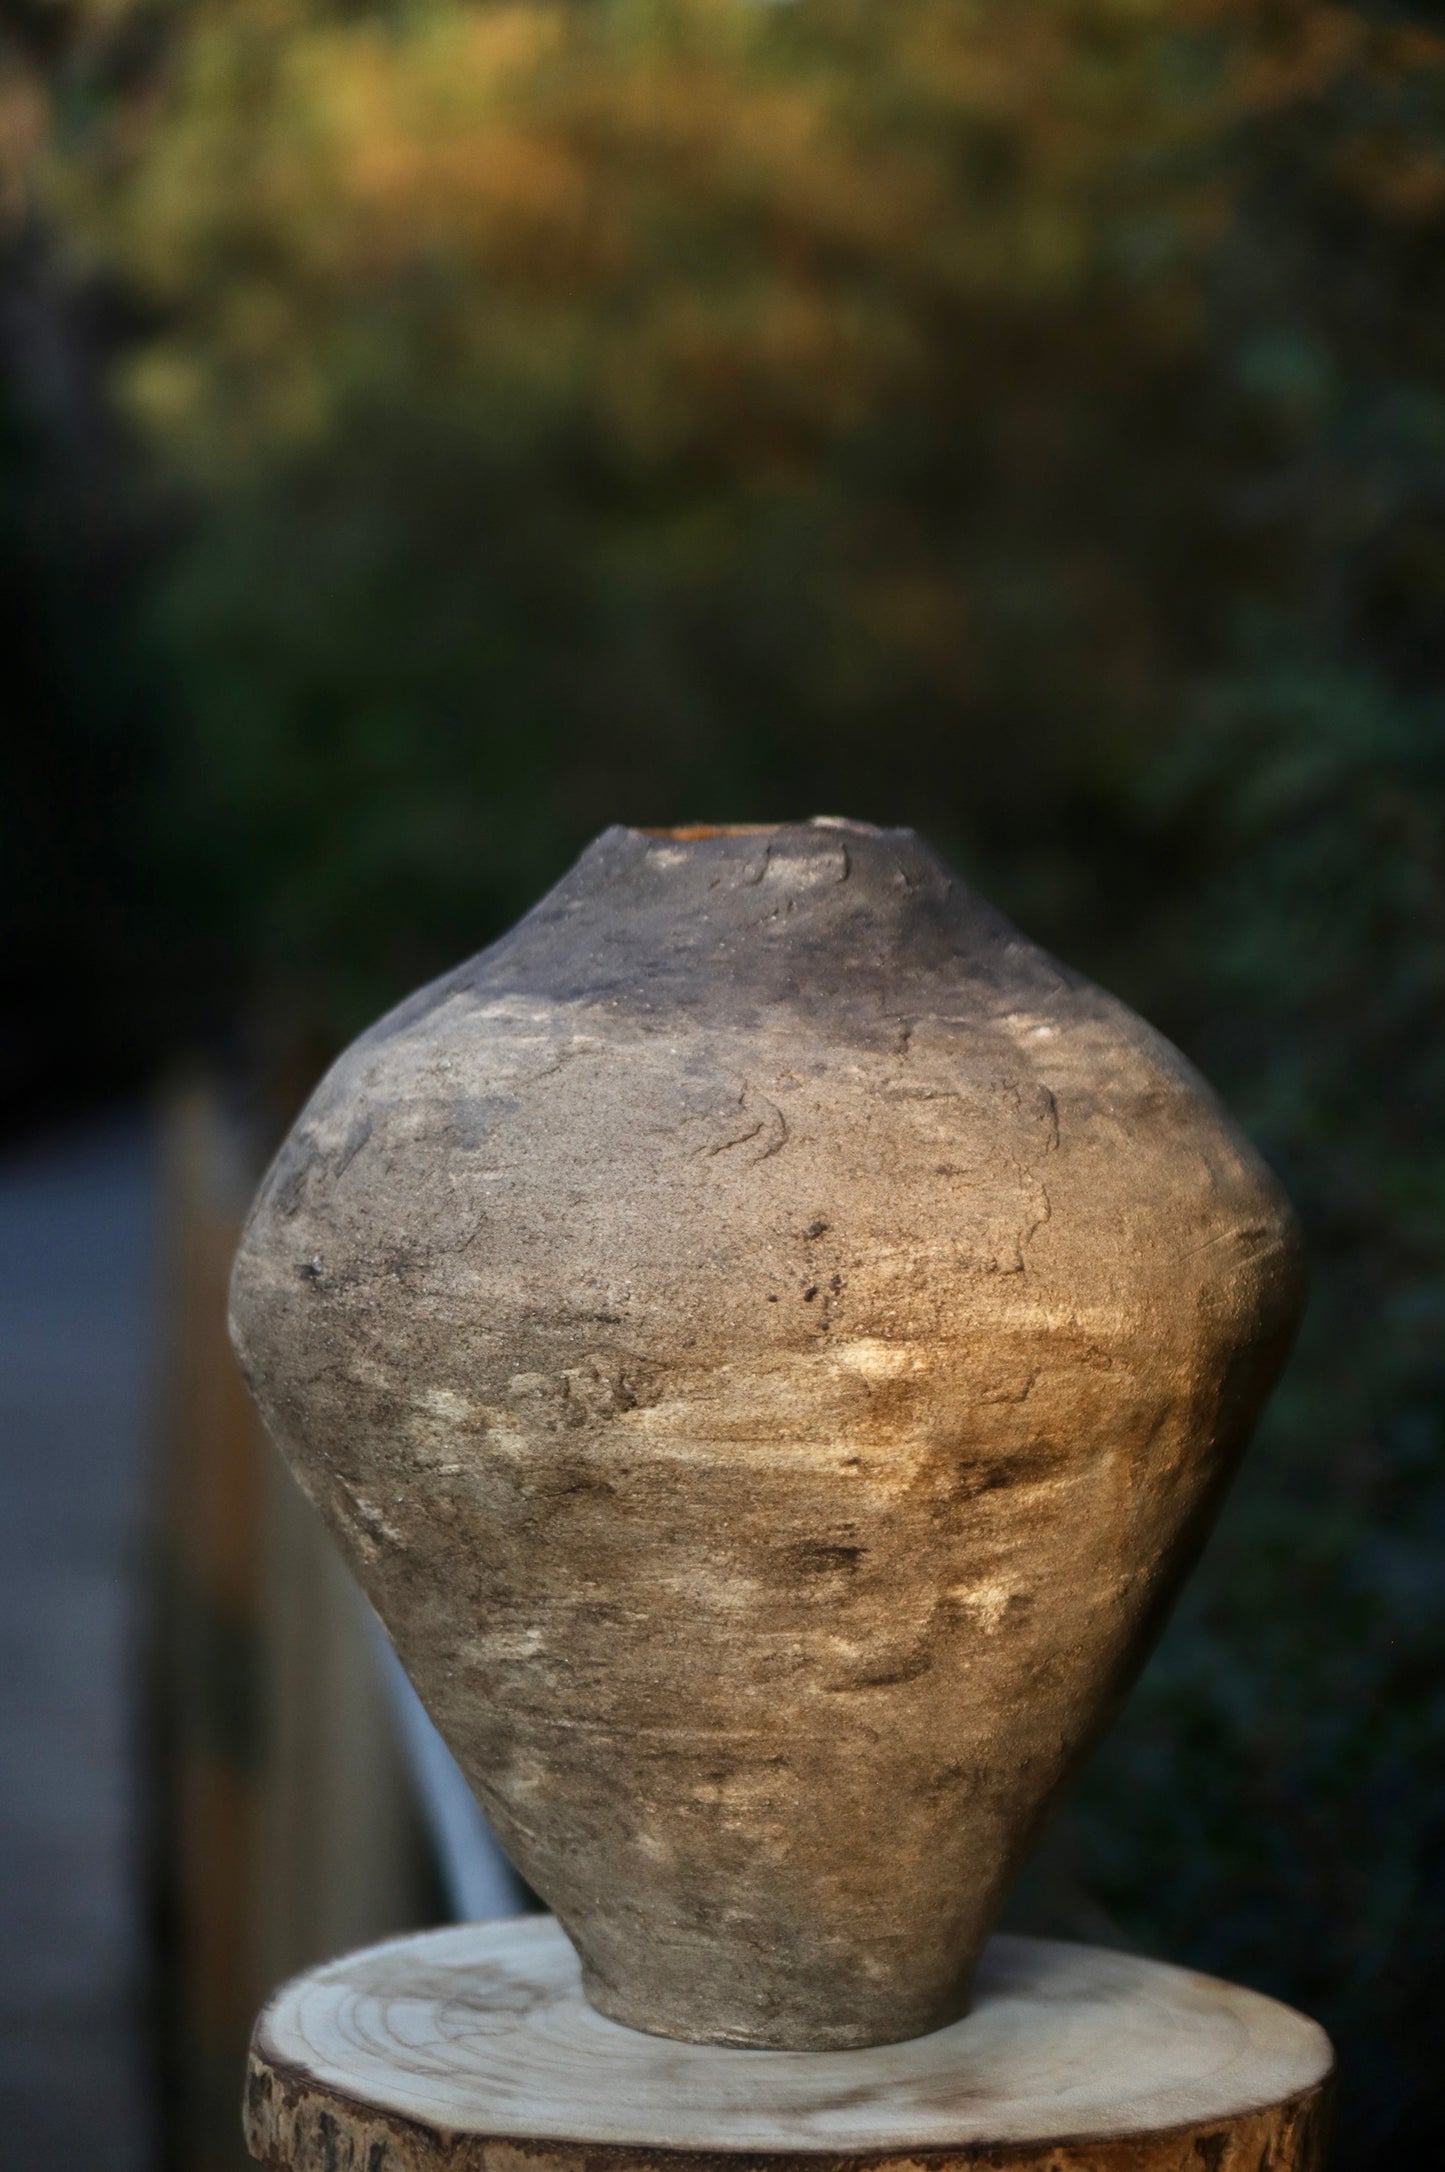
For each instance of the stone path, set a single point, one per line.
(76, 1266)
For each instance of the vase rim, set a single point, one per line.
(690, 833)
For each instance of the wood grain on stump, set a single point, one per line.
(474, 2050)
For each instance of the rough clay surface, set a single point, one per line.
(481, 2033)
(769, 1340)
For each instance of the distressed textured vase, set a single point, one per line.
(769, 1341)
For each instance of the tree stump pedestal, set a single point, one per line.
(474, 2050)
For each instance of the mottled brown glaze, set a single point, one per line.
(473, 2050)
(769, 1340)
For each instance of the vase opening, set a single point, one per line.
(692, 833)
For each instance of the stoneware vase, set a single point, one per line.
(769, 1340)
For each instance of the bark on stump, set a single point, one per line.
(474, 2050)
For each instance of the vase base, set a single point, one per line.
(697, 2019)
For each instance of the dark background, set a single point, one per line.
(429, 432)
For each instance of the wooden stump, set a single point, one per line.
(473, 2050)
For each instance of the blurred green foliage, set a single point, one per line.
(1025, 418)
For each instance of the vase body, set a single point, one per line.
(769, 1341)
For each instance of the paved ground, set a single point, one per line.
(76, 1256)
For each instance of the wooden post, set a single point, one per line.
(473, 2050)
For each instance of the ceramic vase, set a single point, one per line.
(769, 1340)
